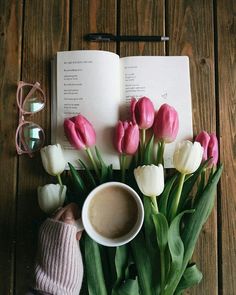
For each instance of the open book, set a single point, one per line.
(100, 84)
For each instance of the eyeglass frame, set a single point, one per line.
(22, 113)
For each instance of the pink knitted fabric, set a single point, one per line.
(59, 267)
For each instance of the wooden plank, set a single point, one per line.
(226, 29)
(142, 18)
(46, 31)
(92, 17)
(191, 31)
(10, 52)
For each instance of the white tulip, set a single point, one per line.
(51, 197)
(187, 156)
(53, 159)
(150, 179)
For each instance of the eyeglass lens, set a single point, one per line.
(30, 137)
(34, 102)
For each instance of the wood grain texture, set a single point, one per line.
(46, 31)
(191, 30)
(142, 18)
(92, 16)
(226, 27)
(10, 57)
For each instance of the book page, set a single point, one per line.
(164, 79)
(87, 83)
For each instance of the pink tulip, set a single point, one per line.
(203, 138)
(213, 151)
(79, 132)
(166, 124)
(126, 137)
(142, 112)
(210, 144)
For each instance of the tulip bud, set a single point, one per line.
(150, 179)
(203, 138)
(166, 124)
(51, 197)
(213, 151)
(53, 159)
(143, 112)
(126, 138)
(187, 156)
(80, 132)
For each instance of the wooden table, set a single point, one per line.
(31, 32)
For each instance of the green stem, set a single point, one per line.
(177, 197)
(160, 153)
(142, 143)
(88, 151)
(123, 166)
(143, 137)
(154, 203)
(59, 179)
(162, 257)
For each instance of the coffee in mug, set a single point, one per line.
(113, 212)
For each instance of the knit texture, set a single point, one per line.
(59, 267)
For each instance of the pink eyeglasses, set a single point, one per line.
(30, 100)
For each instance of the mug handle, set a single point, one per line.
(79, 224)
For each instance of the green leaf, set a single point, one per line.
(93, 266)
(127, 282)
(104, 174)
(148, 223)
(176, 247)
(99, 158)
(202, 212)
(128, 287)
(161, 226)
(110, 172)
(189, 183)
(105, 170)
(194, 225)
(192, 276)
(175, 243)
(134, 161)
(165, 195)
(151, 241)
(148, 153)
(77, 180)
(121, 260)
(187, 205)
(107, 266)
(90, 177)
(201, 185)
(143, 265)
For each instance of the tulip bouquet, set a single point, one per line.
(176, 202)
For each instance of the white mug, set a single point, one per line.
(84, 222)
